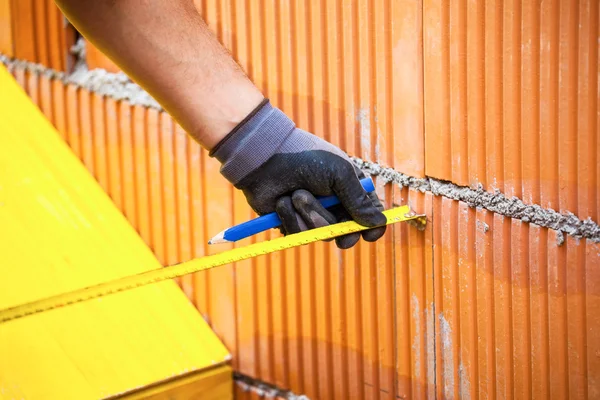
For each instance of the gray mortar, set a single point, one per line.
(120, 87)
(116, 86)
(560, 238)
(263, 389)
(31, 67)
(496, 202)
(79, 50)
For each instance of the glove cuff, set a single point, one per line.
(252, 142)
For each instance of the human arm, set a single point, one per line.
(165, 46)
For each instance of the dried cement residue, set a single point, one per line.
(430, 343)
(448, 357)
(496, 202)
(429, 336)
(560, 238)
(388, 175)
(116, 86)
(482, 226)
(416, 344)
(364, 127)
(465, 384)
(31, 67)
(263, 389)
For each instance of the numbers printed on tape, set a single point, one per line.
(397, 214)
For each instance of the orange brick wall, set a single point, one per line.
(478, 305)
(511, 99)
(36, 30)
(516, 312)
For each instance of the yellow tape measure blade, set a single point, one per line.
(393, 215)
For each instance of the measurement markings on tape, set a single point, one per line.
(398, 214)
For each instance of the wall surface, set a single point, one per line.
(36, 30)
(501, 96)
(511, 99)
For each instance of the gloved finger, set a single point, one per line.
(354, 198)
(291, 221)
(371, 235)
(349, 240)
(311, 211)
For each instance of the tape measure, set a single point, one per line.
(397, 214)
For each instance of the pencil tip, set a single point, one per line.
(219, 238)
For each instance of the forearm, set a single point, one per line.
(165, 47)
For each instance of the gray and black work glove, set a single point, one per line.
(281, 168)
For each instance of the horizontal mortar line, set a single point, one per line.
(119, 87)
(264, 389)
(116, 86)
(495, 202)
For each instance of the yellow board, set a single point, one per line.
(59, 231)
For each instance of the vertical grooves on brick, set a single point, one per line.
(467, 303)
(98, 139)
(7, 25)
(530, 106)
(587, 132)
(87, 146)
(592, 308)
(155, 184)
(521, 333)
(37, 33)
(538, 271)
(125, 133)
(403, 358)
(596, 121)
(58, 93)
(557, 324)
(55, 47)
(167, 175)
(475, 86)
(458, 101)
(549, 95)
(511, 97)
(534, 58)
(114, 159)
(23, 30)
(577, 326)
(453, 307)
(437, 295)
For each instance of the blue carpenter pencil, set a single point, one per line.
(269, 221)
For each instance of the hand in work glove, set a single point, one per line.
(281, 168)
